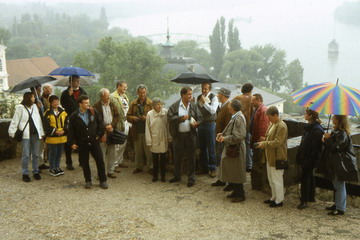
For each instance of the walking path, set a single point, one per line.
(135, 208)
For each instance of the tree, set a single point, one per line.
(190, 48)
(294, 73)
(5, 36)
(272, 73)
(233, 37)
(218, 45)
(135, 62)
(241, 66)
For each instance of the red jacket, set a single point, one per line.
(260, 124)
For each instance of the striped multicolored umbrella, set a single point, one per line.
(329, 98)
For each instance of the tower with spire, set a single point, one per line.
(4, 85)
(166, 51)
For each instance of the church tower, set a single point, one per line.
(4, 85)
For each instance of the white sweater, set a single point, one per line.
(21, 117)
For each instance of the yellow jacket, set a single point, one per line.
(54, 123)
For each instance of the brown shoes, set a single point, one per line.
(123, 165)
(117, 170)
(111, 175)
(212, 173)
(137, 170)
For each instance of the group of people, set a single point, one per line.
(226, 130)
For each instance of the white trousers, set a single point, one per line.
(276, 182)
(108, 152)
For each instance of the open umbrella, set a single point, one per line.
(329, 98)
(68, 71)
(64, 82)
(194, 78)
(32, 82)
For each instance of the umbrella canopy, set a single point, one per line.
(329, 98)
(68, 71)
(194, 78)
(32, 82)
(64, 82)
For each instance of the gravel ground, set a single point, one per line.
(135, 208)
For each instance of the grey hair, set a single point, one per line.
(140, 86)
(103, 91)
(46, 85)
(236, 105)
(272, 111)
(157, 100)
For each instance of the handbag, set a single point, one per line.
(281, 164)
(232, 151)
(116, 137)
(20, 133)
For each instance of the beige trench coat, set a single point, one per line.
(157, 131)
(233, 170)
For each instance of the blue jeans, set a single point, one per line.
(340, 195)
(249, 153)
(207, 146)
(30, 147)
(55, 151)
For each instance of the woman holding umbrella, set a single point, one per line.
(27, 118)
(338, 162)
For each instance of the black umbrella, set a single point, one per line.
(194, 78)
(32, 82)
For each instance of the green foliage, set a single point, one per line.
(8, 103)
(289, 106)
(135, 61)
(233, 37)
(218, 45)
(294, 76)
(190, 48)
(5, 36)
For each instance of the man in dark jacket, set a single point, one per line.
(68, 101)
(86, 127)
(184, 117)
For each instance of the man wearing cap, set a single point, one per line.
(207, 103)
(222, 120)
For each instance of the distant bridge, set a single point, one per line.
(159, 38)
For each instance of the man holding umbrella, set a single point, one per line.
(68, 100)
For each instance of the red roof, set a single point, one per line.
(21, 69)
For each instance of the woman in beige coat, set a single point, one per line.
(275, 146)
(157, 137)
(233, 169)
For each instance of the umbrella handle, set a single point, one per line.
(327, 130)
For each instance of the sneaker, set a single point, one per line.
(26, 178)
(37, 176)
(60, 171)
(54, 172)
(44, 166)
(336, 212)
(331, 208)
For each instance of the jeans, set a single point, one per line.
(55, 151)
(249, 153)
(340, 195)
(307, 185)
(30, 147)
(207, 146)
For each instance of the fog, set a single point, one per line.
(303, 28)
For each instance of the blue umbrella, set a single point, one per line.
(68, 71)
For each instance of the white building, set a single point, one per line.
(4, 82)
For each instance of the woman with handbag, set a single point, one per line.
(232, 167)
(338, 162)
(157, 137)
(28, 120)
(55, 125)
(275, 155)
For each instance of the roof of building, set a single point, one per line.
(21, 69)
(269, 99)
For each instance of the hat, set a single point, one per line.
(226, 92)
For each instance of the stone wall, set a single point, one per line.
(8, 146)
